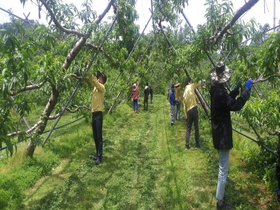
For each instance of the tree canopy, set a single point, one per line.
(45, 65)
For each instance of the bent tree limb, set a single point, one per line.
(27, 88)
(261, 79)
(43, 120)
(58, 25)
(70, 57)
(237, 15)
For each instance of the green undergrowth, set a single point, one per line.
(145, 166)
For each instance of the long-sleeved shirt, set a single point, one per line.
(172, 99)
(134, 92)
(222, 104)
(98, 93)
(178, 93)
(189, 97)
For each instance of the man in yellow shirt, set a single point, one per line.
(97, 106)
(190, 111)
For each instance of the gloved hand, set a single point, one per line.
(249, 84)
(238, 85)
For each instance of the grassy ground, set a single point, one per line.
(145, 166)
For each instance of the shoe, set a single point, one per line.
(187, 148)
(199, 147)
(223, 206)
(98, 161)
(172, 124)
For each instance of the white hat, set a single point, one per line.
(177, 84)
(220, 74)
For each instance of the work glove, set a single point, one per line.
(238, 85)
(249, 84)
(277, 192)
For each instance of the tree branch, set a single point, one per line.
(68, 31)
(28, 131)
(78, 46)
(76, 77)
(27, 88)
(14, 133)
(53, 117)
(261, 79)
(94, 47)
(237, 15)
(77, 109)
(276, 133)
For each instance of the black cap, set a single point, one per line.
(104, 77)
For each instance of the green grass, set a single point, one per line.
(145, 166)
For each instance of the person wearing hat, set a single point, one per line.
(97, 106)
(222, 103)
(173, 102)
(178, 98)
(135, 96)
(191, 112)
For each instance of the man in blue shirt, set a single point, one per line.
(173, 102)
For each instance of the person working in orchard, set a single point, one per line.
(178, 98)
(97, 106)
(146, 96)
(151, 94)
(222, 103)
(190, 111)
(173, 102)
(135, 96)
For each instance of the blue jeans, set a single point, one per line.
(223, 173)
(135, 104)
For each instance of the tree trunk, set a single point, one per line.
(203, 102)
(44, 120)
(70, 57)
(30, 148)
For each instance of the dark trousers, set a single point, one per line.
(97, 122)
(146, 102)
(192, 118)
(177, 116)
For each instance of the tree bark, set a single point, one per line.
(44, 120)
(70, 57)
(237, 15)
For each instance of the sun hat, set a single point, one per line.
(177, 84)
(220, 74)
